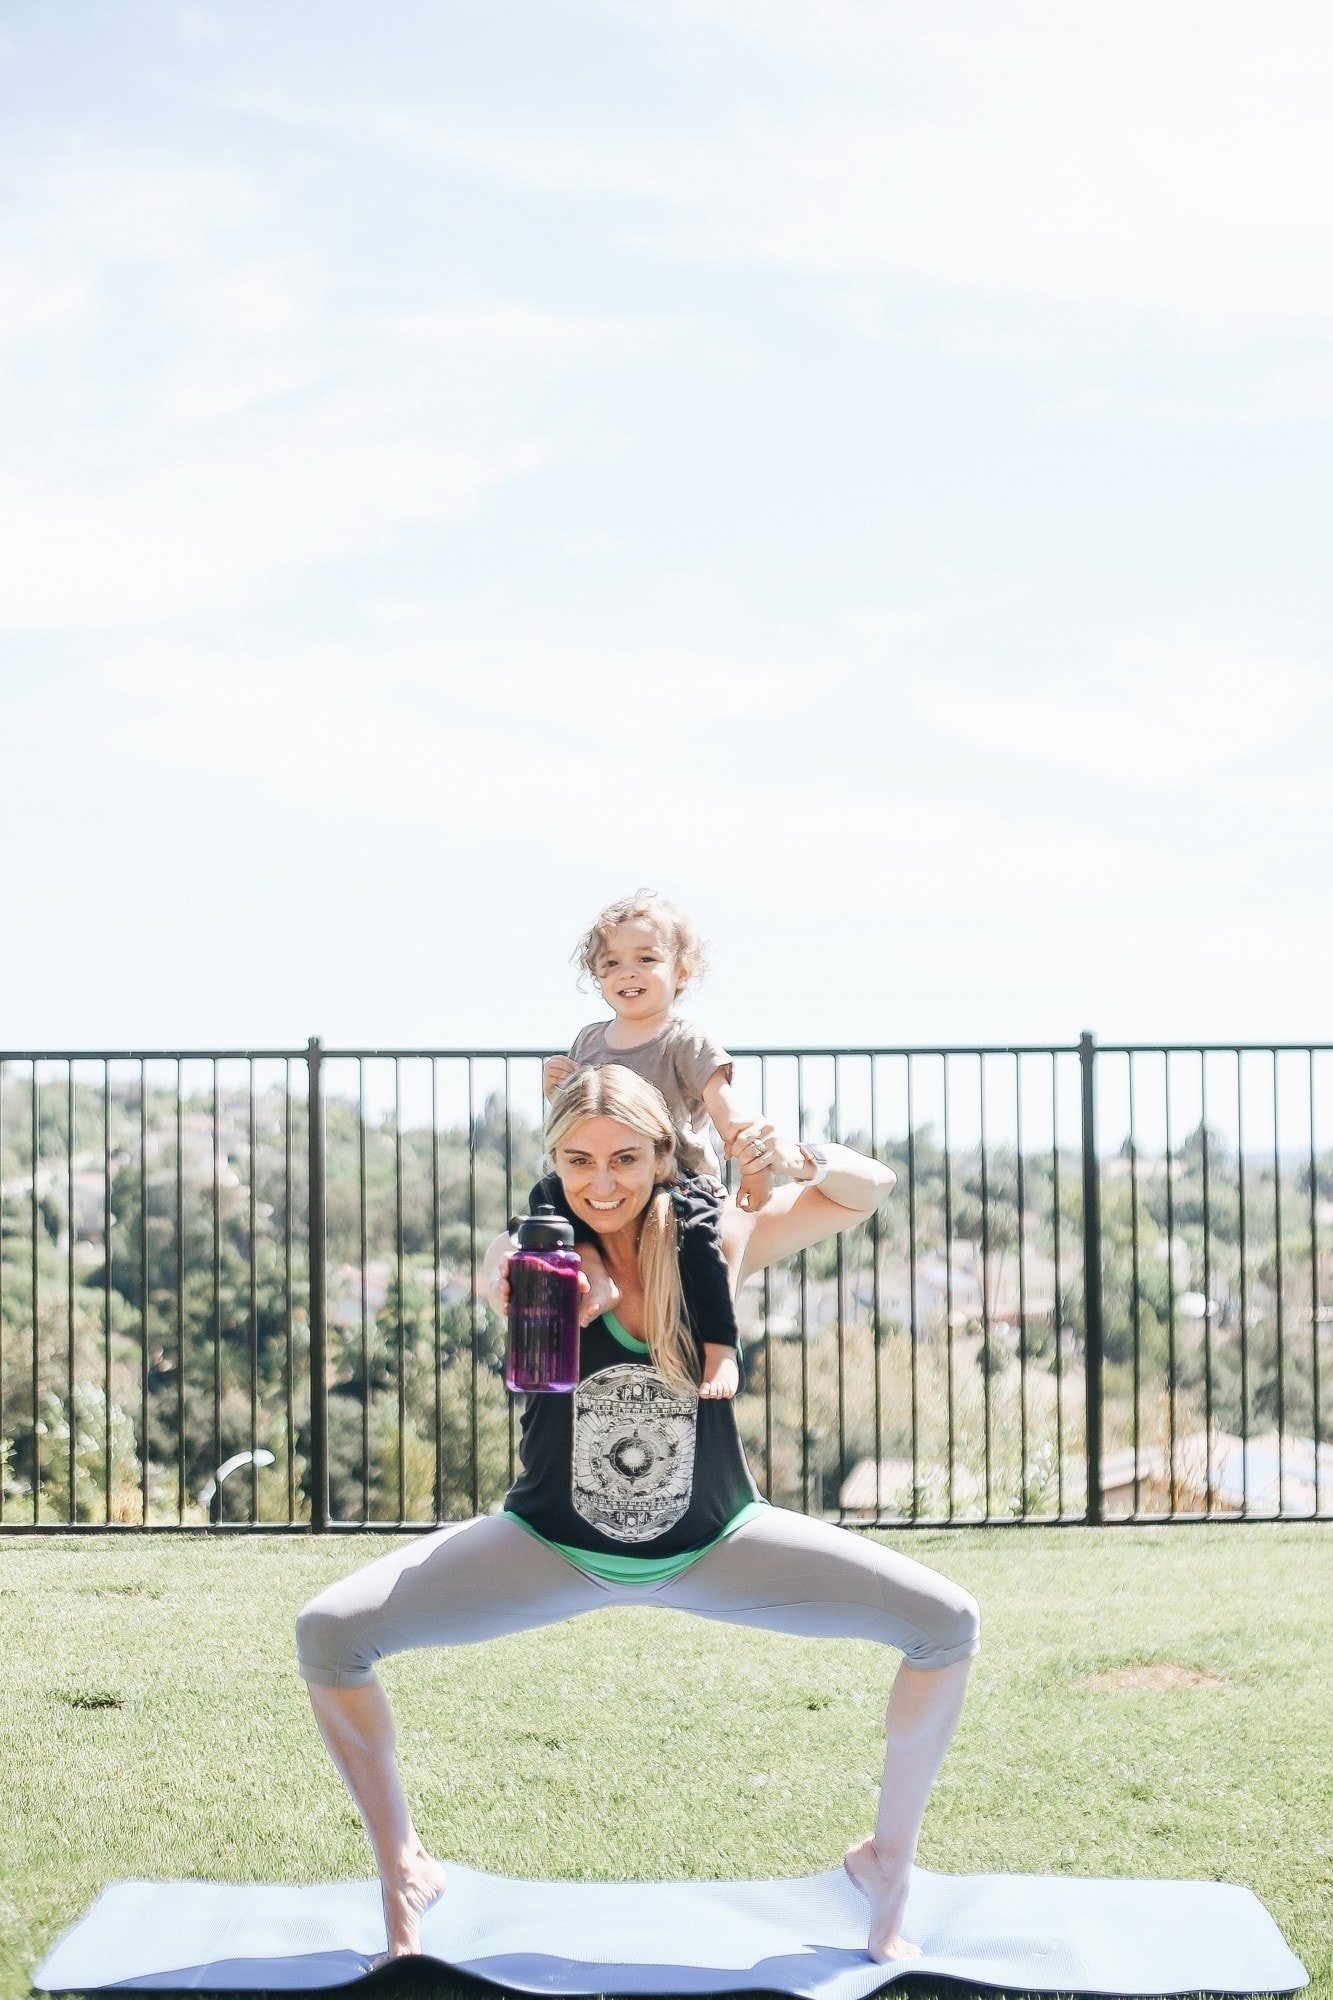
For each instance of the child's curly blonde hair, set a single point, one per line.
(675, 933)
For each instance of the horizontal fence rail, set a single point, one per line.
(241, 1288)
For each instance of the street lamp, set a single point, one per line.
(210, 1496)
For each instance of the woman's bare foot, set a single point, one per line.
(885, 1889)
(407, 1891)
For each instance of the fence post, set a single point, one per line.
(317, 1245)
(1092, 1276)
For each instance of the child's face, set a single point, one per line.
(637, 974)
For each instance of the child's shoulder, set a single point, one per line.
(694, 1036)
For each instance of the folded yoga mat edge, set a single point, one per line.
(803, 1935)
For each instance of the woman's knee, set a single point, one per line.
(328, 1649)
(955, 1632)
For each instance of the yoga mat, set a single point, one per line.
(806, 1936)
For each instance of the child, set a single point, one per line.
(643, 952)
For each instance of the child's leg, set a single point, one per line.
(699, 1201)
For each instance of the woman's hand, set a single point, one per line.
(600, 1292)
(555, 1071)
(596, 1295)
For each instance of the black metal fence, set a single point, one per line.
(240, 1288)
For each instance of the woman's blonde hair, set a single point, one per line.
(616, 1092)
(675, 933)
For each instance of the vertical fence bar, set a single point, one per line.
(180, 1298)
(1093, 1341)
(1207, 1290)
(474, 1309)
(840, 1272)
(876, 1325)
(106, 1281)
(1244, 1301)
(219, 1500)
(1135, 1308)
(1059, 1304)
(986, 1353)
(1279, 1329)
(1022, 1296)
(948, 1286)
(252, 1150)
(805, 1326)
(69, 1294)
(914, 1329)
(364, 1253)
(768, 1330)
(1316, 1428)
(144, 1369)
(289, 1358)
(399, 1276)
(436, 1271)
(317, 1225)
(36, 1356)
(2, 1277)
(1171, 1366)
(510, 1412)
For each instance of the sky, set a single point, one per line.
(860, 469)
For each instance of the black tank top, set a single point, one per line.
(625, 1465)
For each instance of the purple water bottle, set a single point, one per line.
(543, 1306)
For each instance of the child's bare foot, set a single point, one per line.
(885, 1889)
(408, 1890)
(721, 1376)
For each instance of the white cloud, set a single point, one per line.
(194, 408)
(1162, 712)
(1105, 177)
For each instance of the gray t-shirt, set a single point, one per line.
(678, 1062)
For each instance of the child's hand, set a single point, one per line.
(600, 1291)
(754, 1191)
(722, 1376)
(555, 1071)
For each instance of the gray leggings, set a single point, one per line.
(778, 1570)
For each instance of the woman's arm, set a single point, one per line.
(799, 1215)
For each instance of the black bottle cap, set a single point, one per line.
(545, 1230)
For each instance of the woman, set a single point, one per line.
(635, 1490)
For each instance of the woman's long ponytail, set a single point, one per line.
(670, 1342)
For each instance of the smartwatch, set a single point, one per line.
(817, 1158)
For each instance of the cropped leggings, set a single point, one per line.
(779, 1570)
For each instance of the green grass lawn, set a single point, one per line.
(155, 1725)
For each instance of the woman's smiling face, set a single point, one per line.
(607, 1171)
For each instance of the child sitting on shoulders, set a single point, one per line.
(643, 953)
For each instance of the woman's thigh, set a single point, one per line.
(472, 1581)
(787, 1573)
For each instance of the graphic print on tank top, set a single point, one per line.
(632, 1471)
